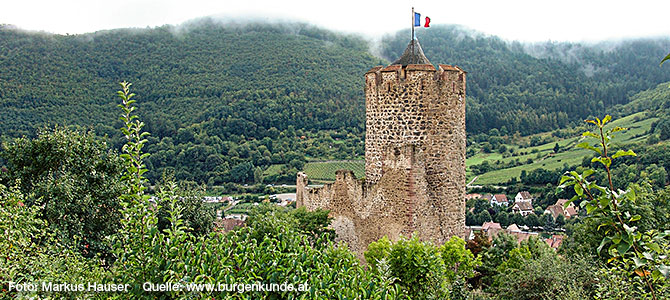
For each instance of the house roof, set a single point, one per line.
(522, 235)
(559, 208)
(501, 197)
(524, 206)
(556, 210)
(570, 211)
(513, 227)
(491, 225)
(413, 55)
(472, 196)
(525, 195)
(555, 241)
(561, 202)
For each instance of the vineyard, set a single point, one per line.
(320, 172)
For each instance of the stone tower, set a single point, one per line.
(414, 158)
(411, 103)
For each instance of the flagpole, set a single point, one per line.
(412, 39)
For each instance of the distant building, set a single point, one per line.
(559, 209)
(523, 196)
(519, 234)
(472, 196)
(555, 241)
(228, 224)
(491, 229)
(499, 200)
(522, 207)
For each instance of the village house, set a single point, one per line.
(498, 199)
(491, 229)
(472, 196)
(555, 241)
(522, 207)
(523, 196)
(559, 209)
(519, 234)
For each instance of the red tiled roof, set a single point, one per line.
(491, 225)
(524, 206)
(561, 202)
(525, 195)
(501, 197)
(555, 241)
(513, 227)
(229, 224)
(555, 210)
(451, 68)
(472, 196)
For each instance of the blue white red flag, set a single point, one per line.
(417, 20)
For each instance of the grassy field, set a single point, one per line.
(541, 155)
(242, 208)
(272, 170)
(325, 171)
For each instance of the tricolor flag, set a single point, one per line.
(417, 20)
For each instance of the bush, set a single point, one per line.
(73, 178)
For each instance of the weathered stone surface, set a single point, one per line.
(414, 161)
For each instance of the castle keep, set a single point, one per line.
(414, 158)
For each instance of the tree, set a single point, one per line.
(458, 261)
(418, 266)
(197, 217)
(74, 178)
(549, 222)
(560, 221)
(556, 148)
(532, 220)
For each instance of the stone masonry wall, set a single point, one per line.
(415, 160)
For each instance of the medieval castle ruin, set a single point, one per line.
(414, 158)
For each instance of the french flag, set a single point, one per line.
(417, 20)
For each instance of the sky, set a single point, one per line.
(529, 21)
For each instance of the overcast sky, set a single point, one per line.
(532, 20)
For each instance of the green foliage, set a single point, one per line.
(30, 252)
(639, 253)
(664, 59)
(314, 224)
(422, 269)
(458, 261)
(419, 268)
(197, 217)
(377, 252)
(495, 255)
(529, 274)
(73, 178)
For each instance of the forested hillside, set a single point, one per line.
(220, 101)
(253, 77)
(225, 102)
(539, 87)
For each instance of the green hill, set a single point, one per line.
(644, 116)
(254, 103)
